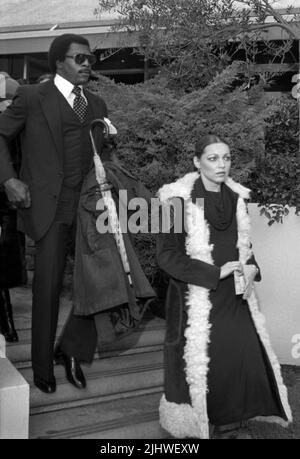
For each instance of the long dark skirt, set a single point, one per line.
(241, 382)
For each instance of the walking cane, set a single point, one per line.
(105, 189)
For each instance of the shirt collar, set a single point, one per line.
(64, 86)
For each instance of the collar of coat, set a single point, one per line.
(183, 187)
(184, 420)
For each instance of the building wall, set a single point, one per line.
(277, 250)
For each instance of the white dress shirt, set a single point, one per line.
(65, 88)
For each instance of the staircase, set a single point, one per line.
(124, 384)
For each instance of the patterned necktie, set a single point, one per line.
(79, 105)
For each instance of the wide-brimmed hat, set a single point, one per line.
(8, 86)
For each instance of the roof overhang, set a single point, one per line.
(38, 41)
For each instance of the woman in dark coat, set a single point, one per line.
(12, 259)
(220, 366)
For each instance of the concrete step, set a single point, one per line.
(107, 378)
(124, 383)
(125, 418)
(147, 338)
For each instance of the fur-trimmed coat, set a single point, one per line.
(188, 352)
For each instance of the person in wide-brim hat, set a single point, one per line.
(8, 88)
(12, 259)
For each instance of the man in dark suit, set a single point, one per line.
(53, 119)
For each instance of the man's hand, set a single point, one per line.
(250, 272)
(17, 193)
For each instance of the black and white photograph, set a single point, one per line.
(149, 222)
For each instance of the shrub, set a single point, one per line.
(275, 178)
(157, 127)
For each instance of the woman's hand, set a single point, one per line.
(229, 268)
(250, 272)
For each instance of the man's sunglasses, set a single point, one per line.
(81, 58)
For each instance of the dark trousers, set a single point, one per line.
(79, 335)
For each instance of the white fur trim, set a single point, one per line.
(183, 186)
(198, 327)
(180, 188)
(178, 419)
(183, 420)
(239, 189)
(244, 230)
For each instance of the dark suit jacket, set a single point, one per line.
(35, 114)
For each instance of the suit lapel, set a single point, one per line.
(50, 107)
(97, 112)
(94, 104)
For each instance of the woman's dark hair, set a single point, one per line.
(202, 143)
(59, 48)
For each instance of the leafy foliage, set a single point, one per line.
(192, 40)
(275, 179)
(158, 127)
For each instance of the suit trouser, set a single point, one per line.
(79, 333)
(79, 338)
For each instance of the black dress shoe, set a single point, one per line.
(44, 385)
(74, 373)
